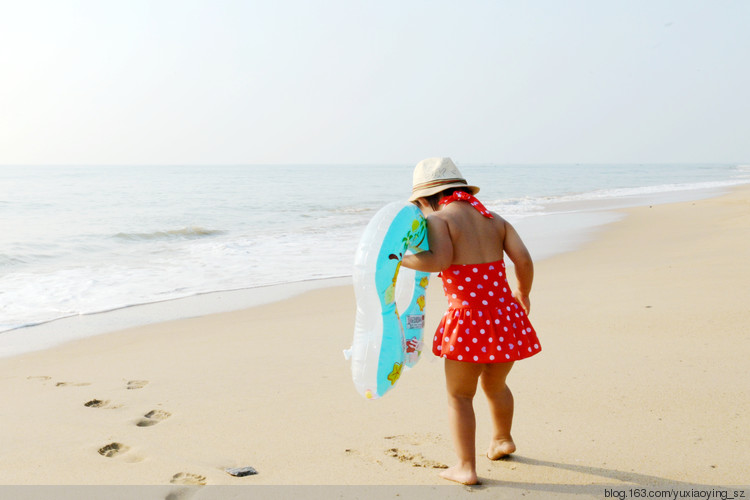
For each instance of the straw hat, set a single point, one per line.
(437, 174)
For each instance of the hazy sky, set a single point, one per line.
(380, 81)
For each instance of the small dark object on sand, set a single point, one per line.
(242, 471)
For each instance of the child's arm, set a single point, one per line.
(440, 254)
(519, 254)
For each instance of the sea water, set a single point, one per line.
(78, 240)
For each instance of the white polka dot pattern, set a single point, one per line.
(503, 334)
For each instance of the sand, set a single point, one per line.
(643, 381)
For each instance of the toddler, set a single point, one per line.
(486, 327)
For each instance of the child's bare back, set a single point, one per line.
(459, 234)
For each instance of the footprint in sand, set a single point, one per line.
(99, 403)
(136, 384)
(188, 478)
(415, 459)
(113, 449)
(152, 418)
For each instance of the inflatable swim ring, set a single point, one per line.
(390, 311)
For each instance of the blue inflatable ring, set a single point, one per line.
(386, 340)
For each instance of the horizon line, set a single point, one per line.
(377, 164)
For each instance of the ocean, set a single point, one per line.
(79, 240)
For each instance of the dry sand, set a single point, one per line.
(643, 381)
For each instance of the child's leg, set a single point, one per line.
(461, 382)
(501, 407)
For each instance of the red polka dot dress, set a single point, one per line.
(484, 323)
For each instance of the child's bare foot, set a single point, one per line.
(500, 448)
(460, 474)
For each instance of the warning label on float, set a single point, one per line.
(415, 321)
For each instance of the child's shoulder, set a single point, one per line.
(499, 218)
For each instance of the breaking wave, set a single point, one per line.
(184, 233)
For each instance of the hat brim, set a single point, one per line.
(425, 192)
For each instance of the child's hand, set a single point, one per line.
(524, 301)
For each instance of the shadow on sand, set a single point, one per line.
(623, 484)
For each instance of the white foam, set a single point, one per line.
(54, 333)
(646, 190)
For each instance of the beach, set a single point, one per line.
(643, 381)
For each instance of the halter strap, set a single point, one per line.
(463, 196)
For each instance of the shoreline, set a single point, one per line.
(642, 382)
(70, 328)
(571, 225)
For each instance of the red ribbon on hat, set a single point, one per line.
(463, 196)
